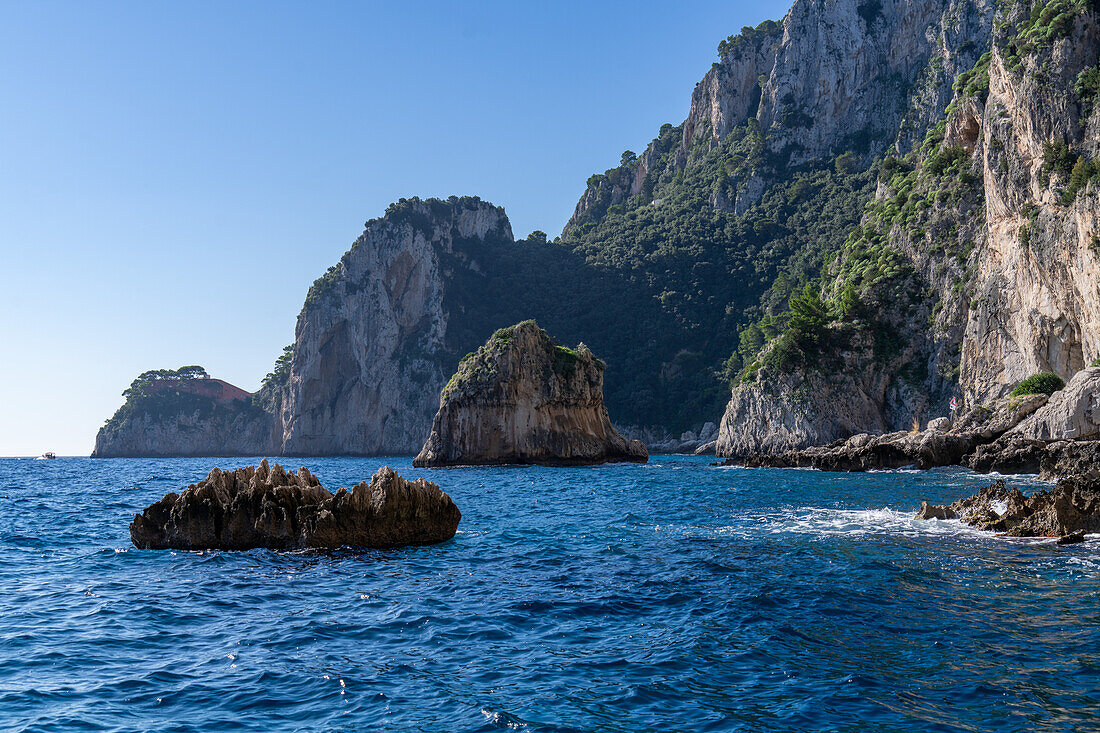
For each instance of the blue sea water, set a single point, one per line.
(667, 596)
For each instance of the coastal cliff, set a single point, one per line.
(928, 174)
(184, 412)
(521, 398)
(375, 340)
(974, 267)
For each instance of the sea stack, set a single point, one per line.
(522, 398)
(268, 507)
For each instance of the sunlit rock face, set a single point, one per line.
(999, 277)
(521, 398)
(371, 344)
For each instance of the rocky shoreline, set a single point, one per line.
(1052, 436)
(1069, 511)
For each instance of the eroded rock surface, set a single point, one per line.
(996, 438)
(992, 284)
(1068, 511)
(267, 507)
(521, 398)
(376, 337)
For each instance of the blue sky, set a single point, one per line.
(173, 176)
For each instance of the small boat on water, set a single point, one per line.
(48, 455)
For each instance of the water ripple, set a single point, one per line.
(669, 596)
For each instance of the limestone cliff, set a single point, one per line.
(218, 431)
(1036, 300)
(374, 342)
(951, 257)
(186, 413)
(521, 398)
(831, 76)
(976, 265)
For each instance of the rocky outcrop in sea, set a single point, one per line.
(522, 398)
(1068, 511)
(262, 506)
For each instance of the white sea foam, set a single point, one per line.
(858, 522)
(826, 522)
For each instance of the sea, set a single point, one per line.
(671, 596)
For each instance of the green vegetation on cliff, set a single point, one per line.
(699, 253)
(480, 368)
(1041, 383)
(163, 394)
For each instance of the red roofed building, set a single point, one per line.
(218, 390)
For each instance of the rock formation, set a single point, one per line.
(223, 431)
(933, 172)
(521, 398)
(374, 341)
(825, 75)
(975, 267)
(1068, 511)
(1071, 413)
(1055, 436)
(268, 507)
(165, 415)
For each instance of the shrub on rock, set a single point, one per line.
(1042, 383)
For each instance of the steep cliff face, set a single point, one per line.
(371, 348)
(723, 216)
(224, 432)
(832, 76)
(1037, 303)
(521, 398)
(867, 73)
(951, 257)
(991, 223)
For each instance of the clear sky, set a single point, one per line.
(174, 175)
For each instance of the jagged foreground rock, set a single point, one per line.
(1068, 511)
(268, 507)
(1059, 436)
(521, 398)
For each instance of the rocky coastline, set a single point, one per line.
(1052, 436)
(1069, 511)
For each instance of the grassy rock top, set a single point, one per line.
(481, 368)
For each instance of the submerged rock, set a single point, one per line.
(521, 398)
(1069, 510)
(267, 507)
